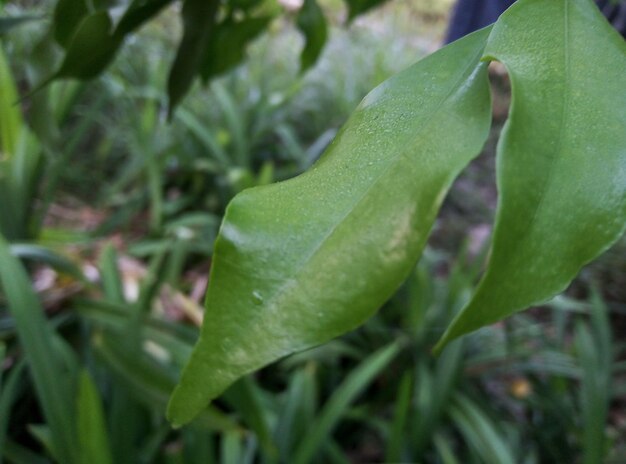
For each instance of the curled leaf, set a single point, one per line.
(300, 262)
(561, 158)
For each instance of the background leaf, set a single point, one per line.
(312, 23)
(91, 49)
(561, 169)
(41, 345)
(198, 21)
(358, 7)
(68, 14)
(91, 425)
(138, 12)
(11, 122)
(237, 34)
(358, 380)
(300, 262)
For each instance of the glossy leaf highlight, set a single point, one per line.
(300, 262)
(561, 158)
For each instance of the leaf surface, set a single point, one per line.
(561, 159)
(300, 262)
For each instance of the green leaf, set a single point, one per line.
(92, 432)
(20, 175)
(198, 21)
(396, 438)
(228, 44)
(68, 14)
(11, 122)
(110, 275)
(297, 411)
(9, 394)
(481, 433)
(17, 454)
(44, 255)
(312, 24)
(245, 397)
(43, 435)
(137, 13)
(593, 347)
(91, 49)
(358, 7)
(561, 159)
(40, 347)
(358, 380)
(300, 262)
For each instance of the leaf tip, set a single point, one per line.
(178, 412)
(439, 347)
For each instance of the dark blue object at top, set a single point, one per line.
(471, 15)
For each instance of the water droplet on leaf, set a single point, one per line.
(257, 298)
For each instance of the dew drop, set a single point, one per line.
(257, 298)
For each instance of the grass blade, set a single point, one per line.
(232, 449)
(243, 396)
(480, 433)
(297, 410)
(38, 342)
(17, 454)
(10, 390)
(203, 133)
(44, 255)
(346, 393)
(11, 122)
(396, 435)
(444, 449)
(595, 360)
(110, 275)
(92, 433)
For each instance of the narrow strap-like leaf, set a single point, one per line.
(41, 349)
(11, 122)
(300, 262)
(561, 159)
(93, 438)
